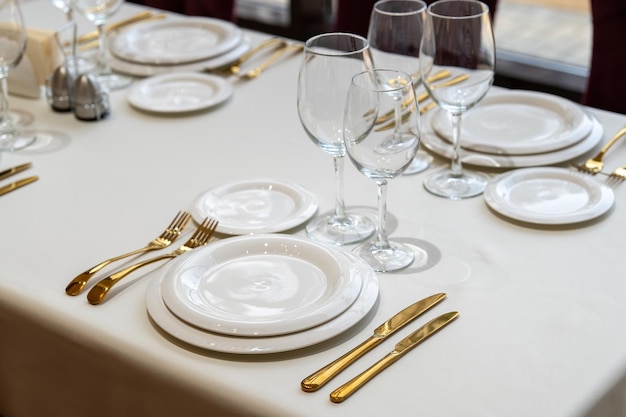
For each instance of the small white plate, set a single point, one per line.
(255, 206)
(260, 285)
(179, 92)
(548, 196)
(518, 123)
(194, 336)
(177, 41)
(439, 146)
(147, 70)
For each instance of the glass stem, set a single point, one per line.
(382, 241)
(103, 50)
(7, 129)
(457, 167)
(340, 207)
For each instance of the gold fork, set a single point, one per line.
(617, 176)
(200, 238)
(594, 165)
(255, 72)
(166, 238)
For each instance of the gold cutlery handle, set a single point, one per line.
(350, 387)
(78, 283)
(93, 35)
(100, 290)
(277, 54)
(319, 378)
(611, 142)
(236, 67)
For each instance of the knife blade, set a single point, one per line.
(319, 378)
(404, 346)
(14, 170)
(17, 184)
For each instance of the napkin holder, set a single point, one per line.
(41, 58)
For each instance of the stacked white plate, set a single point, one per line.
(261, 294)
(515, 129)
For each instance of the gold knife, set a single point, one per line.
(14, 170)
(93, 35)
(17, 184)
(318, 379)
(405, 345)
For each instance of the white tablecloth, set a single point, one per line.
(542, 311)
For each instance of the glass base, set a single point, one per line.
(444, 184)
(396, 256)
(16, 141)
(351, 228)
(112, 82)
(420, 163)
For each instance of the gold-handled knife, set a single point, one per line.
(17, 184)
(14, 170)
(146, 15)
(319, 378)
(405, 345)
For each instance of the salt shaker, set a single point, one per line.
(59, 89)
(91, 102)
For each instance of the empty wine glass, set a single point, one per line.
(382, 154)
(458, 37)
(98, 11)
(330, 61)
(395, 33)
(12, 47)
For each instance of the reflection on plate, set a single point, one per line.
(548, 196)
(176, 41)
(256, 206)
(169, 323)
(439, 146)
(260, 285)
(147, 70)
(179, 92)
(518, 123)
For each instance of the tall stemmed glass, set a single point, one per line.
(395, 33)
(381, 154)
(98, 11)
(457, 37)
(330, 61)
(12, 47)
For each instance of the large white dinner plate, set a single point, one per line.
(518, 123)
(260, 285)
(548, 196)
(176, 41)
(147, 70)
(442, 147)
(194, 336)
(179, 92)
(255, 206)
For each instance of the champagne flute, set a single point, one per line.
(12, 47)
(379, 154)
(98, 11)
(458, 37)
(395, 33)
(330, 61)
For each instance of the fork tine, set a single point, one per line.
(203, 233)
(177, 225)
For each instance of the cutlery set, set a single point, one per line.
(319, 378)
(199, 238)
(595, 164)
(19, 183)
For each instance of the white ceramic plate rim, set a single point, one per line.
(601, 197)
(182, 283)
(170, 324)
(305, 206)
(439, 146)
(123, 45)
(147, 70)
(576, 124)
(139, 94)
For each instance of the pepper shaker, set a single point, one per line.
(91, 101)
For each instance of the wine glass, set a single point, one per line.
(330, 60)
(12, 47)
(395, 33)
(66, 7)
(382, 154)
(98, 12)
(457, 37)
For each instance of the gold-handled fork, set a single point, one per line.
(616, 177)
(594, 165)
(255, 72)
(166, 238)
(200, 238)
